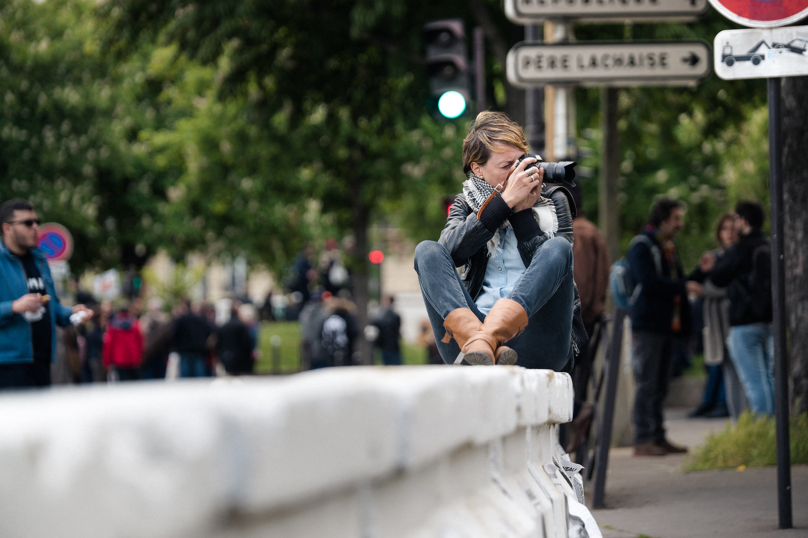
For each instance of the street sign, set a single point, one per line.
(758, 53)
(532, 11)
(107, 285)
(762, 13)
(55, 242)
(609, 63)
(59, 269)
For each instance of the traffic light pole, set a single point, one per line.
(479, 68)
(534, 101)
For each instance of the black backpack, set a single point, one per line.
(756, 287)
(335, 341)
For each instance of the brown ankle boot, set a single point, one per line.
(461, 324)
(504, 321)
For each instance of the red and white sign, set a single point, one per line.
(55, 242)
(762, 13)
(107, 285)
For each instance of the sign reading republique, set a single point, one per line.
(609, 63)
(762, 13)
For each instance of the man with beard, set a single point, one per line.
(29, 307)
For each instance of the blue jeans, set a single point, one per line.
(714, 395)
(751, 349)
(391, 358)
(192, 365)
(545, 291)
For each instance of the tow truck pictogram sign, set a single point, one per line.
(753, 53)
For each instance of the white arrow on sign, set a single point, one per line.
(609, 64)
(758, 53)
(532, 11)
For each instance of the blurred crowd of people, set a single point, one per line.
(125, 341)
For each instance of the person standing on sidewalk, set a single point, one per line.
(745, 270)
(29, 306)
(659, 314)
(389, 325)
(123, 346)
(190, 339)
(234, 347)
(723, 392)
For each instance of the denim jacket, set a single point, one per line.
(15, 331)
(465, 237)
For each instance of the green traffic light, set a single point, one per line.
(451, 104)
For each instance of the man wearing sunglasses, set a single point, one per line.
(29, 307)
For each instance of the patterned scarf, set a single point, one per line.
(477, 191)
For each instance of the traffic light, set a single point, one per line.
(447, 66)
(447, 204)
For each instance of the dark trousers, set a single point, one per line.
(391, 358)
(25, 375)
(128, 374)
(652, 360)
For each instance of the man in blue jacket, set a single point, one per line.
(660, 313)
(29, 307)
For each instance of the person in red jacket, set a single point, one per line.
(123, 346)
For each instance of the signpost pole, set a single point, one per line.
(534, 98)
(779, 309)
(609, 189)
(611, 373)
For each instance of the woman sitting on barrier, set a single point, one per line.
(513, 238)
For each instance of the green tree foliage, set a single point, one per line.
(229, 188)
(336, 86)
(69, 127)
(705, 145)
(251, 127)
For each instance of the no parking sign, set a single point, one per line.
(762, 13)
(55, 241)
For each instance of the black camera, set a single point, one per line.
(563, 172)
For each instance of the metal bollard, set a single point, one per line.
(275, 342)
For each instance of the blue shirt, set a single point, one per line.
(504, 271)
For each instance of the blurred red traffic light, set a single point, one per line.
(376, 256)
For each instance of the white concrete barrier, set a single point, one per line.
(430, 451)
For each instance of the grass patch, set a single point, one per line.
(696, 368)
(750, 443)
(288, 360)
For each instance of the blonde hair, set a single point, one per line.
(490, 128)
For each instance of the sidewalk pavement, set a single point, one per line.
(652, 497)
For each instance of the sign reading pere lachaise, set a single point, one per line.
(531, 11)
(609, 63)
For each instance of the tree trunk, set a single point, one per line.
(795, 193)
(361, 221)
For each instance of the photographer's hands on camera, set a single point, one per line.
(523, 187)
